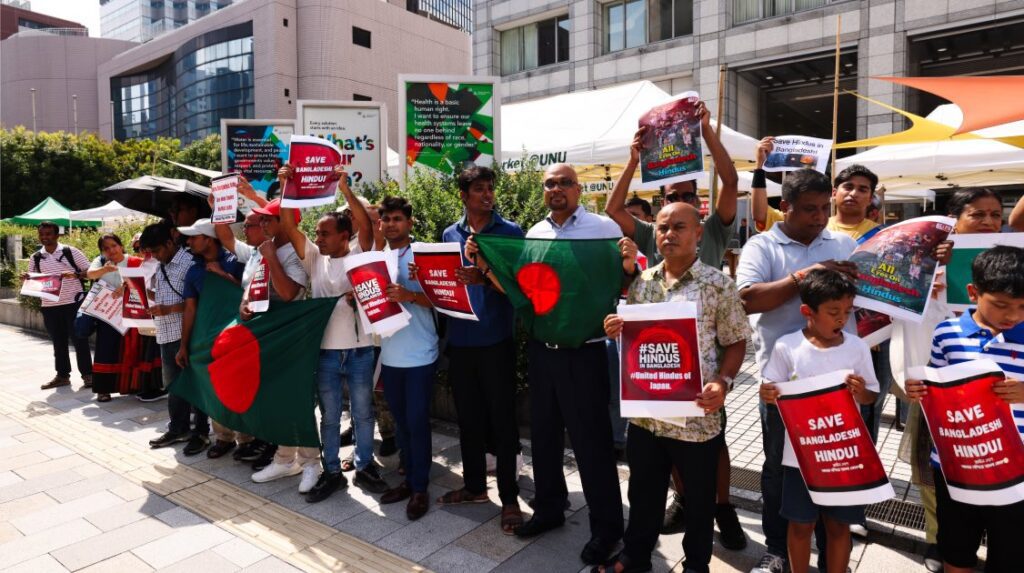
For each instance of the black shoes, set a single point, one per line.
(675, 516)
(396, 494)
(168, 439)
(346, 437)
(151, 395)
(196, 444)
(388, 447)
(730, 533)
(535, 527)
(597, 550)
(219, 449)
(369, 479)
(249, 451)
(327, 484)
(265, 459)
(932, 559)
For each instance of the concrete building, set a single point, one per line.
(779, 53)
(254, 59)
(17, 16)
(61, 68)
(143, 20)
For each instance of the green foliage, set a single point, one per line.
(75, 169)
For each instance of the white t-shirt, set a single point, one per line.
(327, 278)
(795, 358)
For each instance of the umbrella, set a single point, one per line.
(51, 210)
(154, 195)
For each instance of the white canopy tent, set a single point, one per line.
(112, 210)
(913, 169)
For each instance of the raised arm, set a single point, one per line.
(616, 205)
(283, 284)
(360, 217)
(246, 190)
(759, 194)
(725, 205)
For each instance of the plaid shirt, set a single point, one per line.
(721, 322)
(169, 284)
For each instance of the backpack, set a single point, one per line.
(65, 254)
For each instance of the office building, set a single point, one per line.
(143, 20)
(17, 16)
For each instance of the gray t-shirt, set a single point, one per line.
(710, 250)
(289, 260)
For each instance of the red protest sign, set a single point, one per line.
(46, 287)
(135, 301)
(370, 276)
(974, 433)
(659, 366)
(313, 160)
(829, 442)
(436, 265)
(259, 287)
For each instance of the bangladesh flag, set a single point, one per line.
(259, 376)
(562, 288)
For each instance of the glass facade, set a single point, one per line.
(749, 10)
(535, 44)
(209, 78)
(143, 20)
(632, 23)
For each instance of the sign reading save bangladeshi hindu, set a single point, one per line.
(437, 264)
(448, 122)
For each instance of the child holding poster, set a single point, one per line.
(991, 330)
(826, 298)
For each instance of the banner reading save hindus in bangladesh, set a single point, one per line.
(448, 122)
(827, 439)
(659, 360)
(792, 152)
(974, 432)
(370, 274)
(437, 264)
(672, 146)
(896, 267)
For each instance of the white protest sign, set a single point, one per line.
(792, 152)
(225, 199)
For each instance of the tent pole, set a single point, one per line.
(713, 184)
(835, 101)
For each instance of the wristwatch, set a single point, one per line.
(728, 381)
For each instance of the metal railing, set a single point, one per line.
(28, 32)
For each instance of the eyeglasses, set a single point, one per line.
(251, 225)
(564, 183)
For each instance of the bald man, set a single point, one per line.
(691, 446)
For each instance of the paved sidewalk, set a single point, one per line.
(81, 490)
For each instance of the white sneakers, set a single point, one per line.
(310, 474)
(277, 471)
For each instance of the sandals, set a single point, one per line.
(460, 496)
(511, 518)
(348, 464)
(103, 397)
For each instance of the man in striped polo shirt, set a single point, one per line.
(54, 258)
(994, 329)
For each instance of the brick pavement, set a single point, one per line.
(80, 490)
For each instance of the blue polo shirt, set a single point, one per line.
(197, 273)
(491, 306)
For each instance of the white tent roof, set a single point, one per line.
(112, 210)
(961, 163)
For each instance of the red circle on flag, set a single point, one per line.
(539, 282)
(668, 361)
(235, 369)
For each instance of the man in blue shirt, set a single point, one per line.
(482, 361)
(209, 257)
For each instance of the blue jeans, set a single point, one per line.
(773, 437)
(354, 367)
(409, 393)
(614, 405)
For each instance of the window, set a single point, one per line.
(360, 97)
(360, 37)
(748, 10)
(536, 44)
(632, 23)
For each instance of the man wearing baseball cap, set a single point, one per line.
(210, 257)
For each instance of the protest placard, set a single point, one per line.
(836, 457)
(896, 267)
(448, 122)
(437, 263)
(791, 152)
(258, 294)
(370, 274)
(256, 148)
(659, 361)
(974, 432)
(43, 286)
(135, 301)
(672, 147)
(102, 303)
(358, 128)
(965, 249)
(313, 160)
(225, 199)
(873, 327)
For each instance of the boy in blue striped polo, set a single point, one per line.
(994, 330)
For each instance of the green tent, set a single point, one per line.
(51, 210)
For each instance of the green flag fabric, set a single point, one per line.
(561, 288)
(259, 376)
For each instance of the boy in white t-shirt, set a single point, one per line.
(826, 298)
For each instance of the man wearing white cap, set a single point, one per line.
(210, 257)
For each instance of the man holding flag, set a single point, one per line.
(564, 292)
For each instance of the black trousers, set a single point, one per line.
(651, 459)
(483, 380)
(60, 325)
(569, 391)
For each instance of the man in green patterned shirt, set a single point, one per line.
(690, 445)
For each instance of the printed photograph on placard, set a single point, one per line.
(791, 152)
(672, 146)
(256, 149)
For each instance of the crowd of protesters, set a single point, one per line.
(790, 301)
